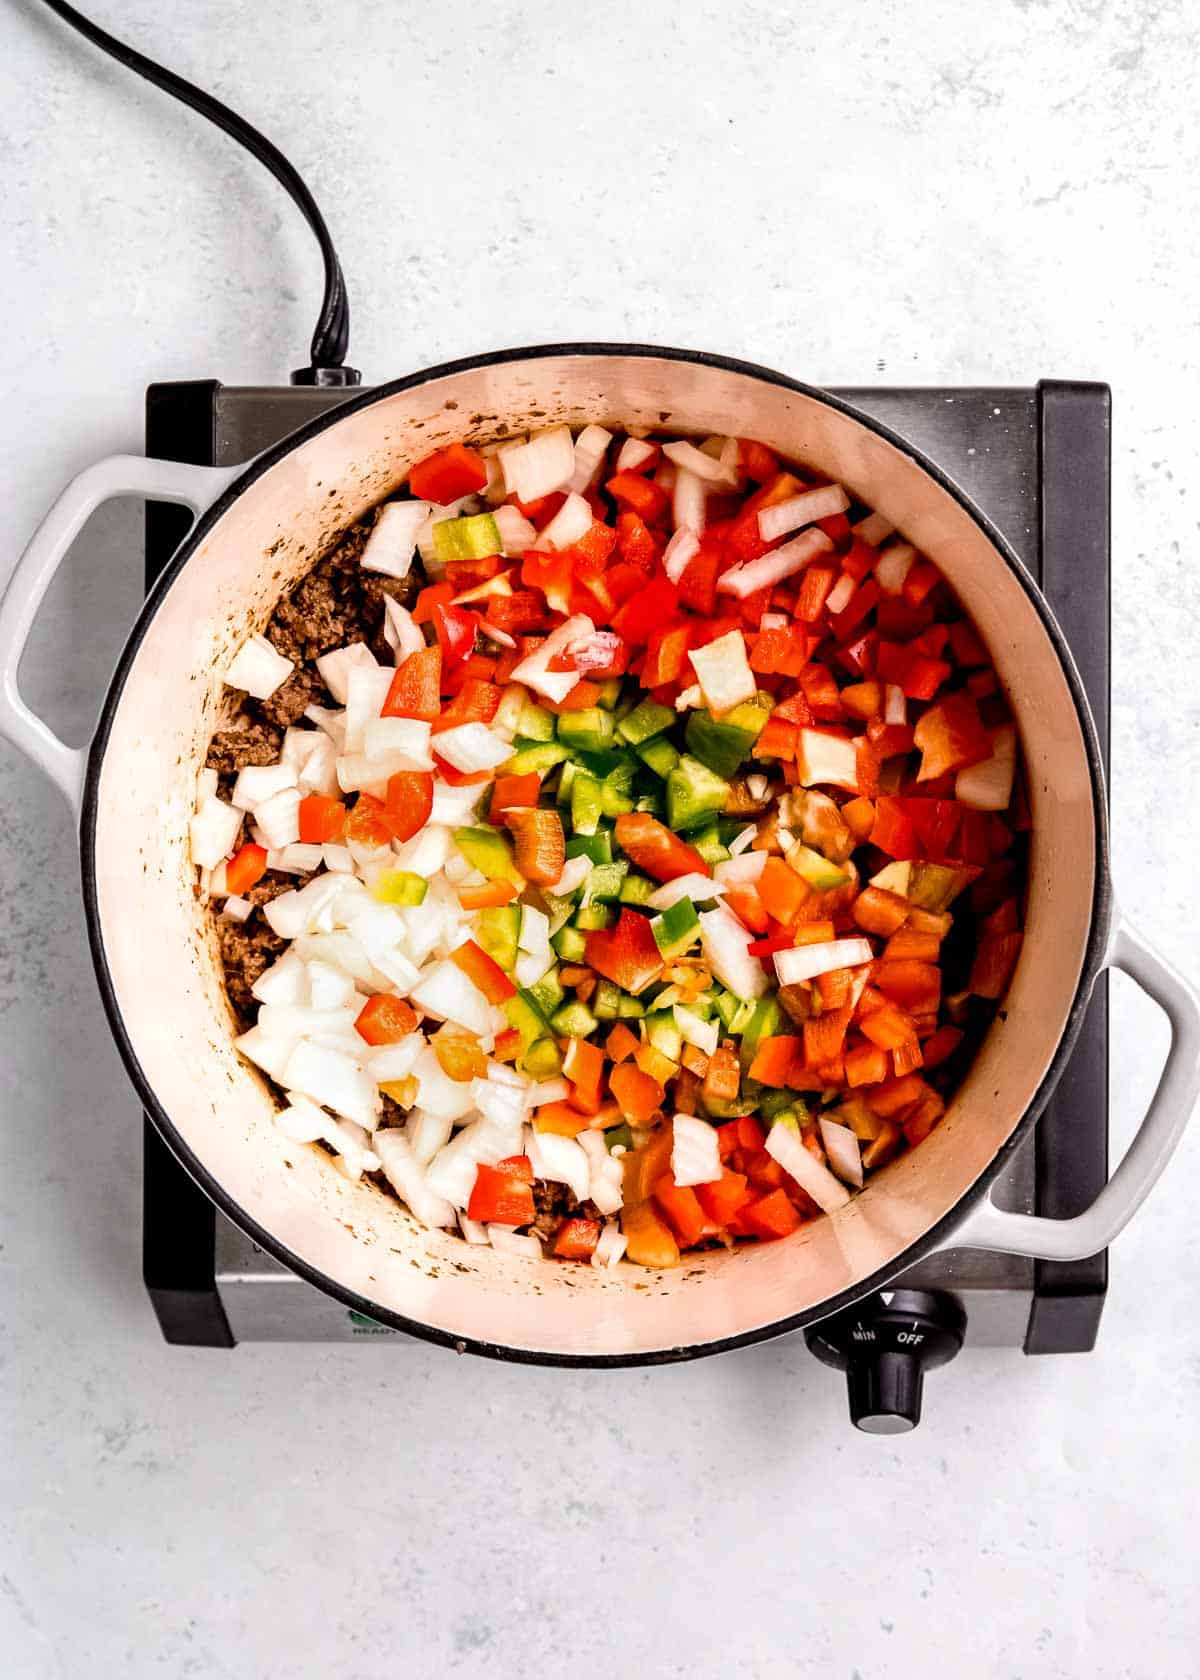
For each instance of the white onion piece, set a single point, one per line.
(531, 965)
(472, 747)
(695, 1152)
(501, 638)
(400, 630)
(408, 1179)
(453, 1171)
(831, 759)
(333, 1080)
(689, 699)
(838, 598)
(610, 1246)
(741, 870)
(680, 552)
(472, 1230)
(723, 672)
(534, 668)
(698, 888)
(893, 566)
(548, 1091)
(535, 929)
(337, 859)
(437, 1093)
(539, 467)
(453, 806)
(393, 539)
(357, 773)
(710, 469)
(873, 529)
(503, 1105)
(381, 931)
(726, 949)
(605, 1180)
(294, 913)
(743, 840)
(296, 859)
(988, 785)
(507, 1241)
(633, 454)
(331, 723)
(334, 668)
(213, 832)
(805, 962)
(305, 1123)
(268, 1051)
(590, 448)
(575, 872)
(785, 1146)
(257, 782)
(895, 704)
(237, 909)
(516, 532)
(841, 1146)
(285, 982)
(207, 783)
(411, 737)
(772, 568)
(329, 988)
(279, 818)
(689, 502)
(427, 1133)
(388, 1062)
(665, 475)
(258, 669)
(572, 521)
(558, 1159)
(804, 509)
(366, 690)
(704, 1035)
(445, 992)
(757, 786)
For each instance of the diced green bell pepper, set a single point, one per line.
(523, 1015)
(399, 886)
(606, 1000)
(630, 1008)
(570, 944)
(616, 790)
(592, 917)
(694, 793)
(489, 851)
(558, 910)
(547, 993)
(543, 1059)
(636, 889)
(596, 846)
(618, 1137)
(708, 844)
(573, 1020)
(497, 931)
(646, 719)
(727, 1007)
(535, 722)
(610, 693)
(591, 730)
(724, 744)
(764, 1022)
(677, 928)
(930, 886)
(586, 805)
(603, 885)
(658, 755)
(663, 1034)
(539, 756)
(471, 538)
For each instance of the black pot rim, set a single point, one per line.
(1101, 901)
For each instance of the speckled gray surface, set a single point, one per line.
(915, 193)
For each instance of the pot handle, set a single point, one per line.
(1175, 1095)
(118, 475)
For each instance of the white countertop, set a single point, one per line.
(912, 194)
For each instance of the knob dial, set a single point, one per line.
(885, 1345)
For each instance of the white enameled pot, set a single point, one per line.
(258, 529)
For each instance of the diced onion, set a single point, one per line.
(472, 747)
(285, 982)
(330, 1078)
(453, 806)
(805, 962)
(237, 909)
(393, 539)
(334, 668)
(575, 872)
(296, 859)
(258, 782)
(610, 1246)
(366, 690)
(337, 859)
(427, 1133)
(548, 1091)
(839, 596)
(207, 783)
(633, 454)
(258, 668)
(699, 888)
(407, 1178)
(516, 532)
(988, 785)
(689, 502)
(804, 509)
(704, 1035)
(785, 1146)
(213, 831)
(893, 566)
(689, 699)
(873, 529)
(453, 1170)
(445, 992)
(534, 670)
(841, 1146)
(400, 630)
(331, 723)
(279, 818)
(695, 1151)
(680, 552)
(743, 840)
(559, 1159)
(507, 1241)
(409, 737)
(388, 1062)
(723, 672)
(821, 757)
(726, 943)
(772, 568)
(329, 987)
(743, 869)
(541, 466)
(708, 468)
(895, 705)
(572, 521)
(590, 447)
(472, 1230)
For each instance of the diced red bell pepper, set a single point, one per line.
(966, 645)
(920, 581)
(512, 793)
(909, 983)
(919, 676)
(322, 819)
(822, 693)
(722, 1199)
(782, 891)
(748, 908)
(646, 611)
(539, 844)
(813, 591)
(416, 688)
(459, 778)
(448, 474)
(795, 709)
(855, 610)
(581, 698)
(773, 942)
(866, 1064)
(385, 1019)
(577, 1239)
(477, 701)
(742, 1133)
(950, 736)
(551, 573)
(247, 866)
(777, 739)
(631, 490)
(409, 802)
(893, 831)
(605, 654)
(666, 655)
(455, 627)
(756, 461)
(503, 1195)
(993, 966)
(636, 542)
(653, 847)
(836, 527)
(517, 614)
(626, 954)
(935, 823)
(367, 822)
(772, 1216)
(483, 972)
(681, 1210)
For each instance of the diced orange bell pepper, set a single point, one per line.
(561, 1119)
(637, 1095)
(642, 1168)
(321, 819)
(772, 1216)
(880, 912)
(722, 1199)
(458, 1055)
(941, 1045)
(722, 1080)
(368, 823)
(511, 793)
(508, 1045)
(995, 960)
(893, 1096)
(824, 1036)
(247, 866)
(487, 897)
(910, 984)
(483, 972)
(648, 1237)
(583, 1066)
(621, 1043)
(682, 1211)
(866, 1064)
(888, 1027)
(538, 842)
(907, 945)
(782, 891)
(774, 1060)
(577, 1239)
(950, 736)
(409, 802)
(385, 1019)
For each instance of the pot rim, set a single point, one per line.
(932, 1239)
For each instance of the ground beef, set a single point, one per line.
(248, 740)
(248, 948)
(286, 706)
(553, 1203)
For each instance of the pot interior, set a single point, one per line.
(162, 962)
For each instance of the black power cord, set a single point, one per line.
(331, 336)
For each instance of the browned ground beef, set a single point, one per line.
(247, 948)
(554, 1203)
